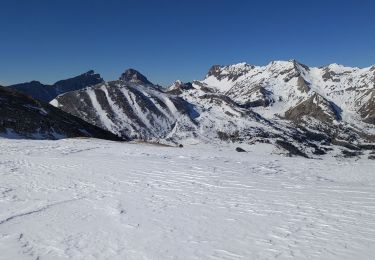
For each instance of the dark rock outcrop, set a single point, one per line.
(240, 150)
(179, 87)
(316, 107)
(367, 111)
(21, 116)
(292, 149)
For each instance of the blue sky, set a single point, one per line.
(168, 40)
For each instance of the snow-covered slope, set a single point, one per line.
(93, 199)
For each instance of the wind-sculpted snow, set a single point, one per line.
(93, 199)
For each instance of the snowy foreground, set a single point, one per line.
(93, 199)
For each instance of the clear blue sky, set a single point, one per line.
(50, 40)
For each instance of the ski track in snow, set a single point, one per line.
(93, 199)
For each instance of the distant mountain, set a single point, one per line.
(297, 108)
(21, 116)
(280, 86)
(46, 93)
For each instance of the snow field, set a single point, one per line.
(94, 199)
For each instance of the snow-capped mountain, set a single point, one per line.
(131, 106)
(24, 117)
(301, 109)
(46, 93)
(274, 89)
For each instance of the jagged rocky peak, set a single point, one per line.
(288, 69)
(232, 72)
(134, 76)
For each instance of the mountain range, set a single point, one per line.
(303, 110)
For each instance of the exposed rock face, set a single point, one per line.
(24, 117)
(179, 87)
(316, 107)
(367, 111)
(303, 85)
(46, 93)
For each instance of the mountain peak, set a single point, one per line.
(232, 72)
(134, 76)
(90, 72)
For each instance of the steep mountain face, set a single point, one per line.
(24, 117)
(131, 106)
(46, 93)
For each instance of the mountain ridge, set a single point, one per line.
(240, 105)
(46, 93)
(301, 109)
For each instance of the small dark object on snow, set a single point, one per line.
(180, 145)
(240, 150)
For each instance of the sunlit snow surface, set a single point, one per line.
(92, 199)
